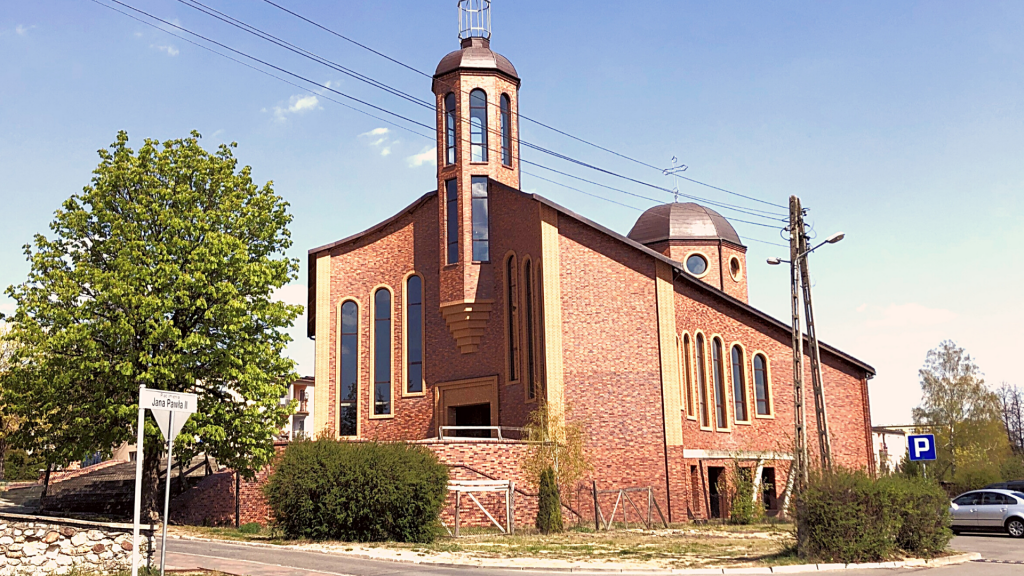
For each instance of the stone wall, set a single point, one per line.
(44, 545)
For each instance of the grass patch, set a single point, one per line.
(680, 546)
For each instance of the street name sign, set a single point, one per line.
(921, 447)
(170, 410)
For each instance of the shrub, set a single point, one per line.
(850, 517)
(923, 509)
(361, 492)
(549, 507)
(743, 508)
(250, 528)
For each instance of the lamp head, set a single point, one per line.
(835, 237)
(775, 261)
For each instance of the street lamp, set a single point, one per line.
(775, 260)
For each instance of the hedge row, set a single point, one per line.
(850, 517)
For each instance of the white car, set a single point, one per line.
(990, 510)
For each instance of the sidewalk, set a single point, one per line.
(344, 552)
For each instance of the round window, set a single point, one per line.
(734, 268)
(696, 264)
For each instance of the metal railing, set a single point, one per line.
(493, 432)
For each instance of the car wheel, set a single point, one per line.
(1015, 527)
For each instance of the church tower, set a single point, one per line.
(477, 98)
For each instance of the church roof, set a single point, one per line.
(682, 221)
(679, 275)
(475, 54)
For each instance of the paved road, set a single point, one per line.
(258, 561)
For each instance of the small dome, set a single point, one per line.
(682, 221)
(475, 54)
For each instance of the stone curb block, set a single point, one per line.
(788, 569)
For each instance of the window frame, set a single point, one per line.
(768, 384)
(338, 367)
(373, 354)
(714, 385)
(451, 130)
(690, 410)
(484, 144)
(702, 362)
(505, 107)
(405, 336)
(745, 385)
(472, 217)
(452, 217)
(513, 348)
(707, 263)
(529, 319)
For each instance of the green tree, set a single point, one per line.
(549, 504)
(556, 442)
(160, 272)
(963, 414)
(8, 420)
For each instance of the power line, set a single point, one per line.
(599, 197)
(521, 116)
(307, 54)
(420, 124)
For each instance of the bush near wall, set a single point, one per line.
(851, 517)
(358, 492)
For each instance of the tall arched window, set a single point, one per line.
(702, 381)
(739, 384)
(451, 135)
(512, 315)
(531, 381)
(348, 369)
(687, 376)
(382, 345)
(718, 373)
(451, 207)
(478, 125)
(506, 130)
(761, 391)
(414, 335)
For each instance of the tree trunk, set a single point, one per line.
(238, 498)
(151, 484)
(3, 457)
(46, 481)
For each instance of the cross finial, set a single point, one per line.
(674, 173)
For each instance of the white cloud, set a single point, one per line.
(169, 49)
(379, 138)
(427, 157)
(22, 30)
(297, 104)
(138, 34)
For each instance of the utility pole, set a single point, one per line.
(796, 233)
(817, 382)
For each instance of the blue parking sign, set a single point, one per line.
(921, 447)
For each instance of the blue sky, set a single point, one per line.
(899, 123)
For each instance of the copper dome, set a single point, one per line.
(475, 54)
(682, 221)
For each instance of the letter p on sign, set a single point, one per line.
(922, 447)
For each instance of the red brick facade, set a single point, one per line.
(604, 313)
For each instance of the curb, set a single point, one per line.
(786, 569)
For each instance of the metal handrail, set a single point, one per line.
(441, 430)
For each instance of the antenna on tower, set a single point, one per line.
(474, 19)
(674, 172)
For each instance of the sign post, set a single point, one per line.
(921, 448)
(164, 405)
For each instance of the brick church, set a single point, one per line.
(477, 302)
